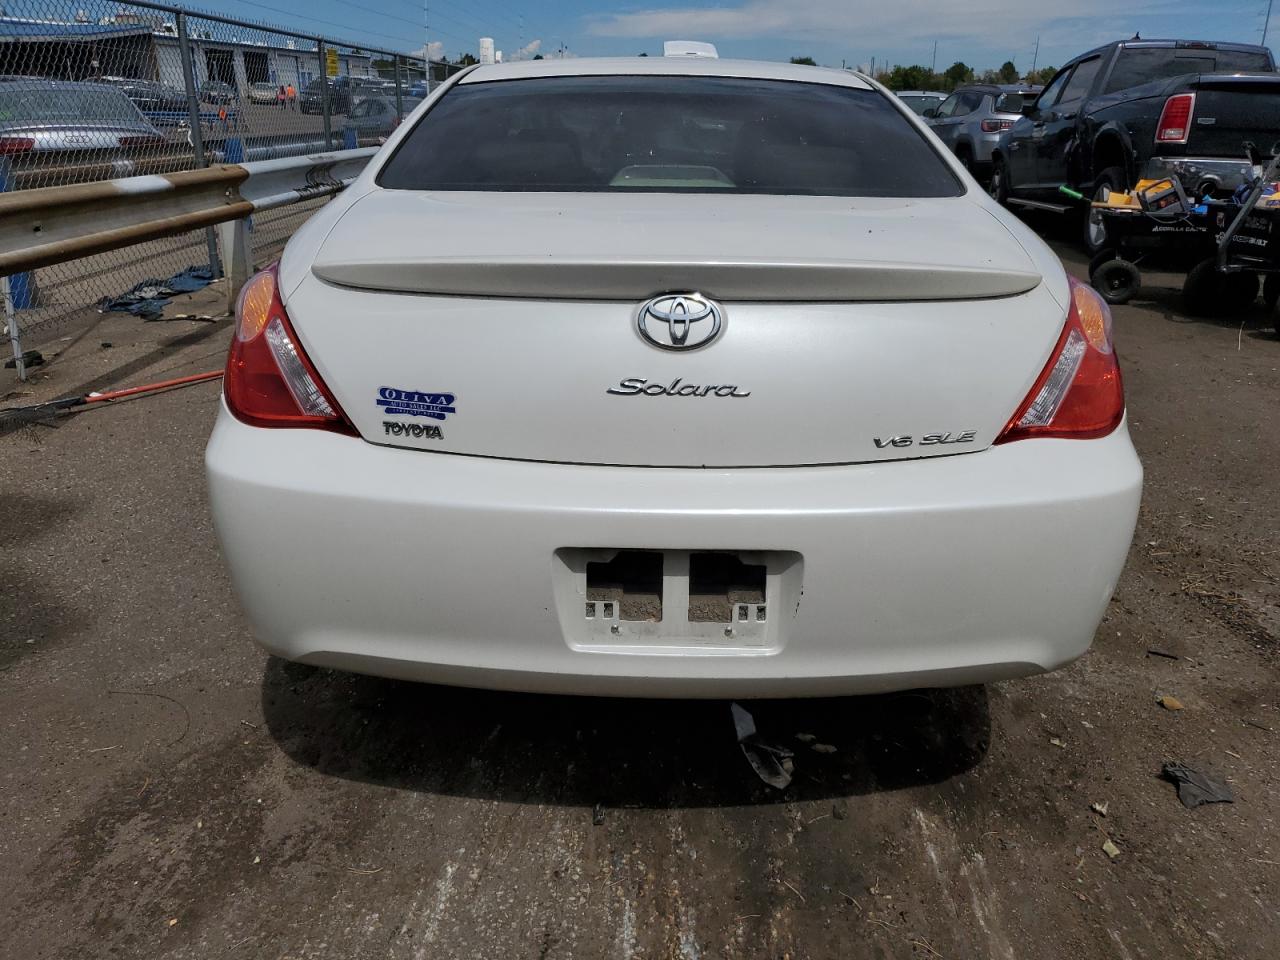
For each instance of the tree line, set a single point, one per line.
(917, 77)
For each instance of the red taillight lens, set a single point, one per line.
(1079, 395)
(12, 145)
(995, 126)
(269, 380)
(1175, 118)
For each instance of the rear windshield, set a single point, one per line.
(86, 104)
(920, 104)
(668, 134)
(1012, 102)
(1138, 65)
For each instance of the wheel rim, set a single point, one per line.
(1117, 281)
(1097, 226)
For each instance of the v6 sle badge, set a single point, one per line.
(928, 440)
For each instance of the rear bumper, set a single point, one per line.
(443, 568)
(1192, 172)
(984, 144)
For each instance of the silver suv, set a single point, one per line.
(971, 120)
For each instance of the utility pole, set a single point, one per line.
(934, 67)
(1035, 57)
(1266, 23)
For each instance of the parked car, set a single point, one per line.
(536, 459)
(373, 86)
(264, 92)
(148, 95)
(420, 89)
(215, 91)
(376, 116)
(971, 120)
(921, 100)
(59, 122)
(1140, 108)
(311, 98)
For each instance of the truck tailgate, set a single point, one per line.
(1231, 109)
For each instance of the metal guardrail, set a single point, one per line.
(52, 225)
(213, 89)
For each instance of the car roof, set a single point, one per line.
(920, 93)
(1185, 44)
(1001, 87)
(40, 83)
(663, 67)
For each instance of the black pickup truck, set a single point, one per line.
(1140, 108)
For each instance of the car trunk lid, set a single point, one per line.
(853, 330)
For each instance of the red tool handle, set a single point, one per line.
(149, 387)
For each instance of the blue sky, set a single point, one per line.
(982, 33)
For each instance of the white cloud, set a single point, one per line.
(994, 25)
(528, 51)
(432, 51)
(818, 18)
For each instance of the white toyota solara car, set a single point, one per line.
(672, 377)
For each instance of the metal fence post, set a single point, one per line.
(237, 251)
(399, 95)
(324, 94)
(11, 321)
(193, 118)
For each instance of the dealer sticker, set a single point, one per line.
(416, 403)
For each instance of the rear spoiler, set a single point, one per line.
(594, 278)
(1260, 80)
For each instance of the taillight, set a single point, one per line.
(269, 380)
(12, 145)
(1079, 395)
(995, 126)
(1175, 118)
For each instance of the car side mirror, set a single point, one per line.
(931, 113)
(1028, 109)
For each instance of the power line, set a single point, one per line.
(328, 23)
(474, 24)
(377, 13)
(479, 18)
(520, 18)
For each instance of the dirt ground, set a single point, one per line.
(169, 791)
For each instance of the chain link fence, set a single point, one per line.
(97, 90)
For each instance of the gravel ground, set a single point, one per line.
(169, 791)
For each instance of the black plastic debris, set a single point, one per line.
(30, 358)
(149, 298)
(771, 762)
(1194, 787)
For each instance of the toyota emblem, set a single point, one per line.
(679, 321)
